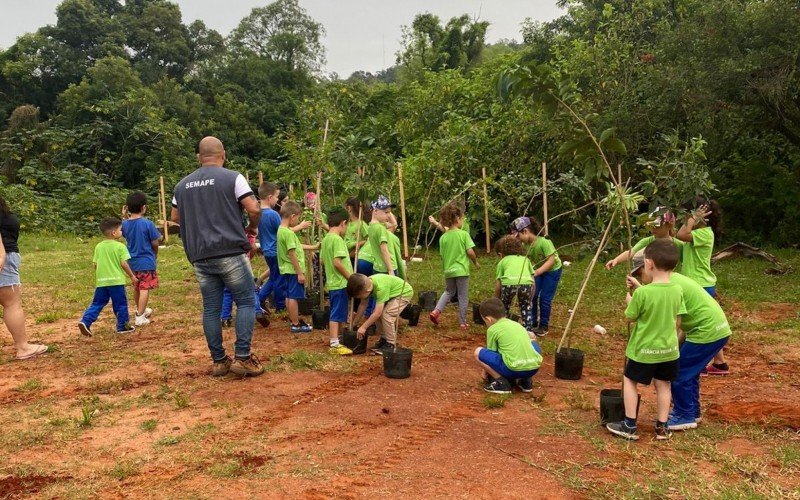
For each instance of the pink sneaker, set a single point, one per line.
(464, 326)
(434, 316)
(713, 369)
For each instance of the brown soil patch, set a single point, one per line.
(764, 413)
(16, 487)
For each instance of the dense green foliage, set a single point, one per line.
(690, 97)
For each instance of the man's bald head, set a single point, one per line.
(211, 152)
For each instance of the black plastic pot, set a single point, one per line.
(305, 306)
(411, 313)
(397, 363)
(320, 318)
(427, 300)
(349, 339)
(612, 406)
(476, 314)
(569, 364)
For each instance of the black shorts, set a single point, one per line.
(643, 373)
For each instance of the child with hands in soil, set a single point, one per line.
(338, 268)
(652, 350)
(391, 294)
(111, 265)
(514, 275)
(547, 272)
(704, 331)
(662, 226)
(511, 356)
(291, 260)
(142, 239)
(457, 250)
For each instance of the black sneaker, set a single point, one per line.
(621, 429)
(377, 347)
(227, 323)
(386, 349)
(487, 379)
(540, 331)
(662, 432)
(361, 346)
(85, 330)
(499, 386)
(262, 319)
(128, 328)
(526, 384)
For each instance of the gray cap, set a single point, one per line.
(638, 261)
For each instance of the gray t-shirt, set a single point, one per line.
(208, 202)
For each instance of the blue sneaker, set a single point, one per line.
(301, 327)
(676, 423)
(698, 419)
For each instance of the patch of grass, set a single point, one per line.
(181, 400)
(123, 469)
(53, 316)
(577, 399)
(492, 401)
(788, 456)
(88, 413)
(149, 425)
(168, 441)
(226, 470)
(30, 385)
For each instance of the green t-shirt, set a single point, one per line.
(541, 250)
(654, 337)
(386, 287)
(396, 253)
(109, 256)
(288, 240)
(333, 246)
(453, 246)
(352, 234)
(696, 257)
(510, 339)
(465, 225)
(704, 321)
(515, 270)
(365, 252)
(378, 234)
(644, 242)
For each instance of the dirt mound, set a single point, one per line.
(765, 413)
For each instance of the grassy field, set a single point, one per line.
(139, 415)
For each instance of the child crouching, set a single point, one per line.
(391, 294)
(510, 354)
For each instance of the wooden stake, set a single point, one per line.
(317, 211)
(247, 177)
(358, 249)
(544, 198)
(589, 271)
(486, 214)
(164, 210)
(403, 209)
(260, 178)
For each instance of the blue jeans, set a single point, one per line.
(272, 286)
(227, 304)
(119, 302)
(546, 286)
(367, 269)
(214, 275)
(686, 388)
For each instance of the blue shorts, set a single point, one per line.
(495, 362)
(364, 267)
(712, 290)
(339, 303)
(292, 288)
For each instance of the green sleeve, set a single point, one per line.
(292, 242)
(632, 311)
(491, 340)
(340, 250)
(500, 269)
(703, 237)
(548, 248)
(468, 243)
(123, 253)
(641, 244)
(682, 308)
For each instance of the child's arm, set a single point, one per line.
(374, 318)
(473, 258)
(362, 308)
(128, 271)
(312, 248)
(337, 263)
(685, 232)
(497, 288)
(302, 226)
(436, 223)
(619, 258)
(387, 259)
(548, 264)
(322, 224)
(301, 278)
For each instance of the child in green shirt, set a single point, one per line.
(356, 226)
(379, 236)
(514, 278)
(511, 356)
(291, 261)
(111, 264)
(457, 249)
(652, 350)
(547, 274)
(395, 250)
(662, 226)
(338, 268)
(391, 294)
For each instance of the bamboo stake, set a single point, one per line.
(260, 178)
(403, 210)
(589, 271)
(247, 177)
(486, 213)
(163, 207)
(544, 197)
(317, 210)
(422, 220)
(358, 249)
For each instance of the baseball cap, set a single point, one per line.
(520, 223)
(637, 262)
(382, 203)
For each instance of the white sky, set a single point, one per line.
(361, 34)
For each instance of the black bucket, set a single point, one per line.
(612, 406)
(397, 363)
(320, 318)
(569, 364)
(476, 314)
(411, 313)
(349, 339)
(427, 301)
(307, 305)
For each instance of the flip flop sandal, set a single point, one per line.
(38, 352)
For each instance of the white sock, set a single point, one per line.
(334, 342)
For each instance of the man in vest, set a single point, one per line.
(208, 206)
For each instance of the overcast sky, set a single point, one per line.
(361, 34)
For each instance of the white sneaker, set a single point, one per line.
(141, 320)
(147, 312)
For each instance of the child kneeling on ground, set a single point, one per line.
(652, 350)
(392, 295)
(510, 356)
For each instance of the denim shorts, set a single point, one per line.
(9, 276)
(339, 303)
